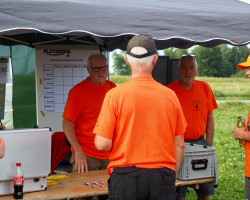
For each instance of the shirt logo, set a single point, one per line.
(196, 105)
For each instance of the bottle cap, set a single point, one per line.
(18, 164)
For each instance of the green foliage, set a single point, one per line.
(239, 74)
(219, 61)
(233, 56)
(119, 66)
(175, 53)
(209, 61)
(119, 79)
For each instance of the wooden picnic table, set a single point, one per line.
(73, 187)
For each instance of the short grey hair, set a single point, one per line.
(140, 62)
(188, 57)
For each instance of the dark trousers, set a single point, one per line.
(131, 183)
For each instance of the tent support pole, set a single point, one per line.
(11, 39)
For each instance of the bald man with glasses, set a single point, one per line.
(80, 115)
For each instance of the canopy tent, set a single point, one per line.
(110, 24)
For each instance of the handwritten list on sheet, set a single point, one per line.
(58, 79)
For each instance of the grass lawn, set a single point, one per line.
(229, 88)
(223, 88)
(230, 156)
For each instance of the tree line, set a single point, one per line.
(219, 61)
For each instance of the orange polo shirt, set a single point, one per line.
(196, 104)
(82, 108)
(247, 153)
(142, 117)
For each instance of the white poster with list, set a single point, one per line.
(58, 70)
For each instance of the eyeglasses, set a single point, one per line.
(97, 69)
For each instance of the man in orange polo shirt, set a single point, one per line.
(198, 102)
(2, 148)
(141, 123)
(244, 134)
(81, 112)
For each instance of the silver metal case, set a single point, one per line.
(31, 147)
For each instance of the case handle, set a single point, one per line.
(199, 162)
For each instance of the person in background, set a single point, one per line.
(81, 112)
(2, 148)
(198, 102)
(141, 124)
(244, 134)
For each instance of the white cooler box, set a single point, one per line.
(31, 147)
(198, 162)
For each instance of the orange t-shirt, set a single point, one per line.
(82, 108)
(142, 117)
(247, 153)
(196, 103)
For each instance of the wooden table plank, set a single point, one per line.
(74, 187)
(193, 182)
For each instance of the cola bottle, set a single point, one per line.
(241, 124)
(18, 182)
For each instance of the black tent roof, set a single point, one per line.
(109, 23)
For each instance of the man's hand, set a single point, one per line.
(80, 157)
(238, 133)
(81, 162)
(2, 127)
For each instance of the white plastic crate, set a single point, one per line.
(198, 162)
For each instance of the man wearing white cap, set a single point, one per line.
(244, 134)
(141, 123)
